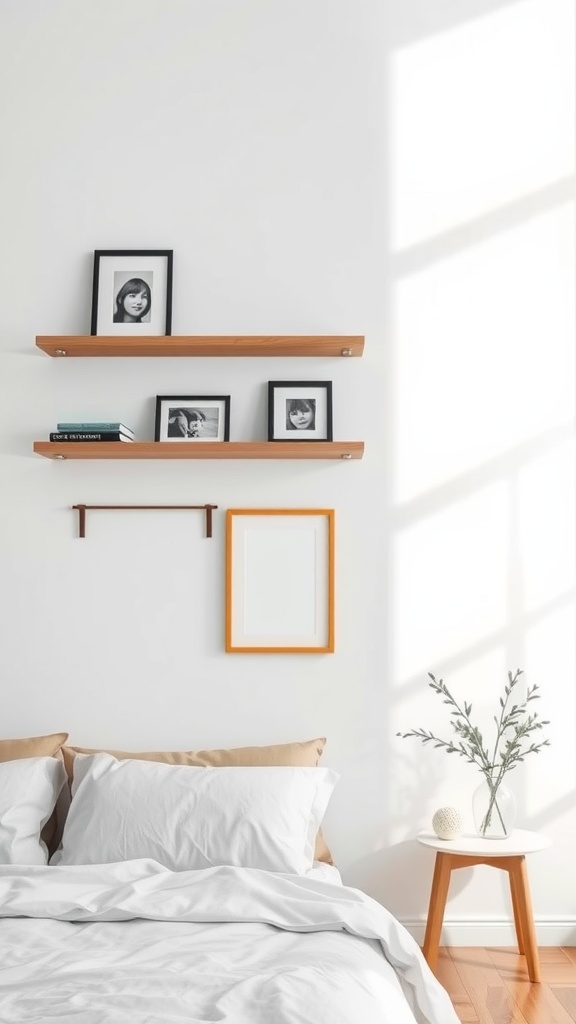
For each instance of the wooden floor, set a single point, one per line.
(489, 985)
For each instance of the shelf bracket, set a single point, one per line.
(82, 509)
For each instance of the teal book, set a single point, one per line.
(95, 427)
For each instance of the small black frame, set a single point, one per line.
(192, 418)
(300, 410)
(132, 292)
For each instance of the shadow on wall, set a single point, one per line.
(400, 876)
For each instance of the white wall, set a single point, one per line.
(405, 171)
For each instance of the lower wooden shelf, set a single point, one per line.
(344, 450)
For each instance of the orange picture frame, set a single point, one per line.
(280, 581)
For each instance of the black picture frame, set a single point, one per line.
(150, 273)
(192, 418)
(300, 410)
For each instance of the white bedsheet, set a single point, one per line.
(134, 942)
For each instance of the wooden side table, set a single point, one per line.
(507, 854)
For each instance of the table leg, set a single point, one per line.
(523, 901)
(515, 895)
(438, 894)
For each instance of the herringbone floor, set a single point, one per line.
(489, 985)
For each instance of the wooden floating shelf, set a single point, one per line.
(203, 345)
(344, 450)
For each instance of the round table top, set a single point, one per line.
(519, 842)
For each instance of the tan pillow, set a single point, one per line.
(33, 746)
(296, 755)
(37, 746)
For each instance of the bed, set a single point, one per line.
(189, 887)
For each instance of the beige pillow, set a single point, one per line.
(37, 746)
(296, 755)
(33, 746)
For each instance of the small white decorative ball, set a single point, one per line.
(447, 823)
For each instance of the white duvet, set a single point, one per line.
(134, 943)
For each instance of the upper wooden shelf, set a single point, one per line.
(208, 450)
(203, 345)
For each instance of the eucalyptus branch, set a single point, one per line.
(514, 738)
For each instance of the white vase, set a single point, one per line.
(494, 809)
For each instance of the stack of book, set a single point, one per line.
(92, 432)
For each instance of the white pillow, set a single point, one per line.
(187, 818)
(29, 788)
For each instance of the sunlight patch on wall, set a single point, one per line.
(483, 114)
(550, 776)
(451, 571)
(484, 353)
(546, 533)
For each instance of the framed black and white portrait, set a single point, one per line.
(192, 418)
(300, 410)
(132, 292)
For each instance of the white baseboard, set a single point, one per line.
(496, 932)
